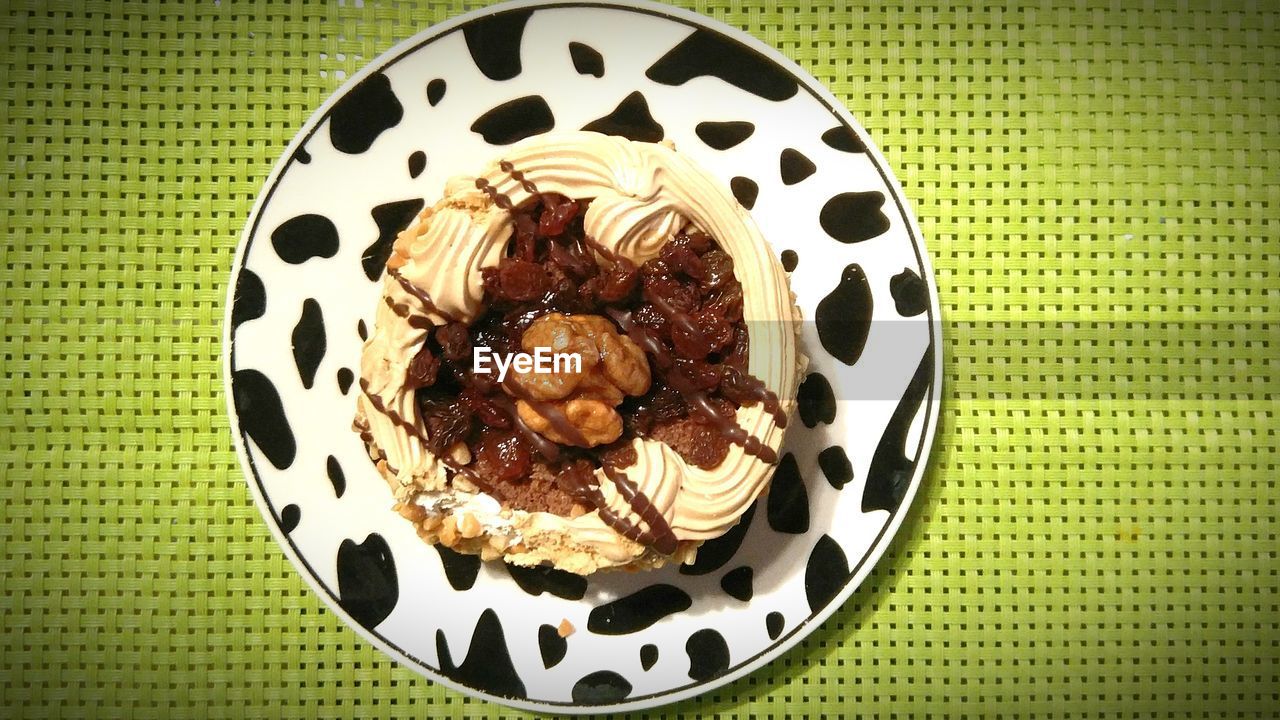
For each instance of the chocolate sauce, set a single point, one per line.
(696, 399)
(583, 491)
(417, 322)
(606, 253)
(766, 397)
(626, 528)
(463, 470)
(427, 303)
(498, 198)
(660, 536)
(563, 257)
(756, 387)
(518, 176)
(553, 415)
(682, 320)
(468, 473)
(664, 539)
(545, 447)
(391, 414)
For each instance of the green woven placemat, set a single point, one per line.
(1097, 535)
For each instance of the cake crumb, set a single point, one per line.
(566, 628)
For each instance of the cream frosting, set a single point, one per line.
(643, 193)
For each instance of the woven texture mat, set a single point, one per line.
(1097, 535)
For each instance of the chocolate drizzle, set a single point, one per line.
(498, 198)
(578, 260)
(413, 430)
(518, 176)
(554, 415)
(417, 322)
(392, 415)
(545, 447)
(766, 397)
(755, 387)
(695, 398)
(660, 536)
(428, 305)
(682, 320)
(606, 253)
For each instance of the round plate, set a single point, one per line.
(443, 103)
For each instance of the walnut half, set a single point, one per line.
(612, 367)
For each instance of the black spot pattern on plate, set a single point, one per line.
(788, 502)
(836, 466)
(586, 60)
(302, 156)
(815, 401)
(460, 569)
(854, 216)
(435, 91)
(737, 583)
(745, 191)
(724, 135)
(631, 120)
(363, 114)
(773, 623)
(337, 478)
(390, 218)
(289, 518)
(551, 645)
(708, 654)
(494, 43)
(367, 584)
(537, 580)
(648, 655)
(714, 553)
(261, 416)
(794, 166)
(488, 666)
(301, 238)
(709, 53)
(790, 260)
(345, 378)
(890, 471)
(843, 139)
(361, 329)
(601, 687)
(251, 299)
(417, 163)
(910, 294)
(515, 120)
(309, 342)
(825, 573)
(843, 317)
(639, 610)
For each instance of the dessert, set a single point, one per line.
(677, 333)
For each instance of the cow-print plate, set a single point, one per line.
(444, 102)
